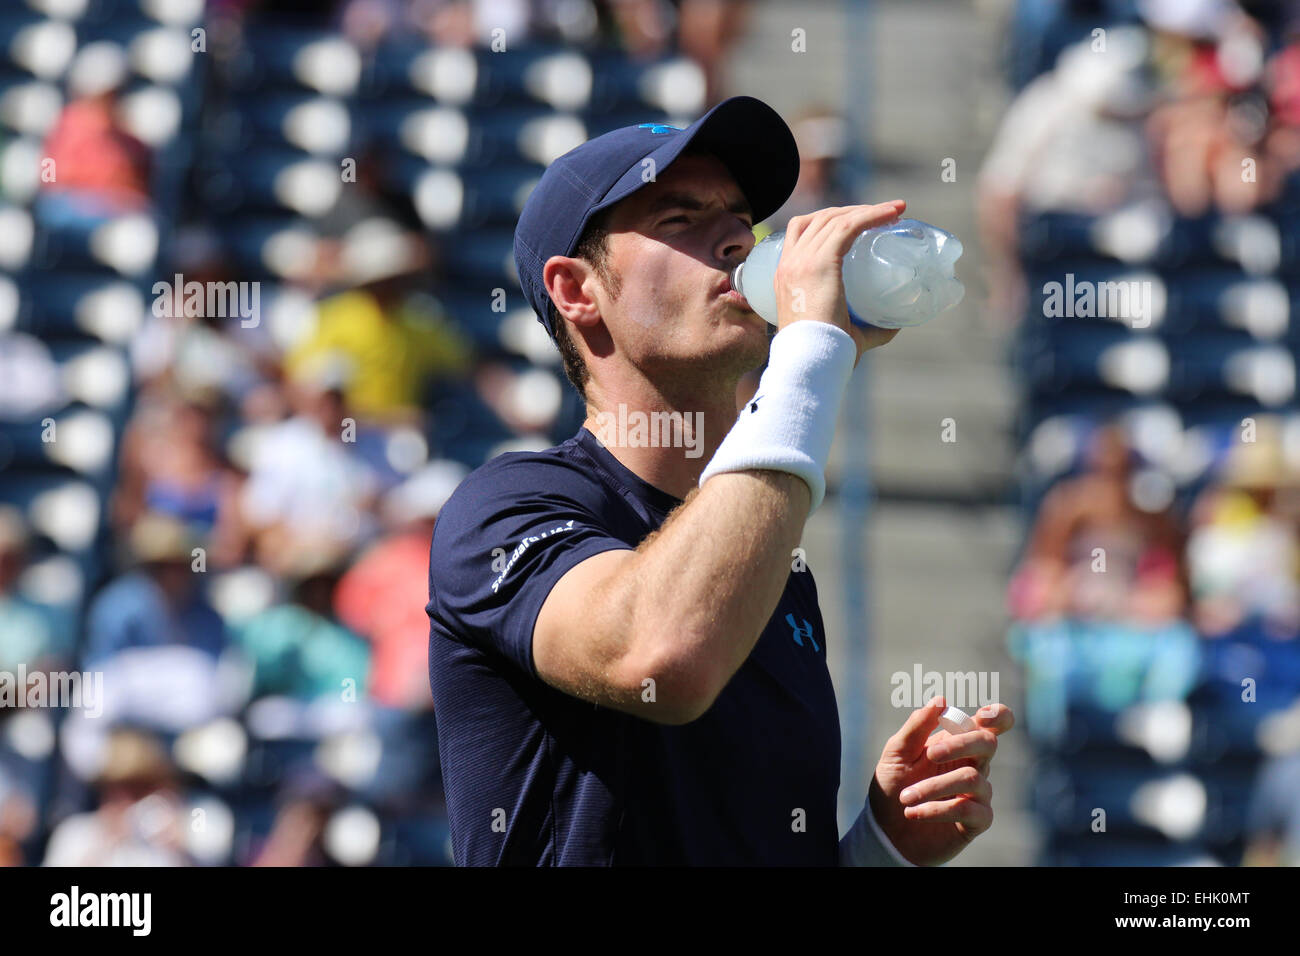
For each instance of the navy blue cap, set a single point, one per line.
(746, 134)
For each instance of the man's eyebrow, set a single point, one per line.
(679, 200)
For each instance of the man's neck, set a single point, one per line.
(666, 442)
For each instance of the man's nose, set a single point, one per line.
(736, 240)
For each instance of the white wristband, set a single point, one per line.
(789, 423)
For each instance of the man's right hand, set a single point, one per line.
(809, 283)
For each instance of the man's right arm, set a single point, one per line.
(684, 609)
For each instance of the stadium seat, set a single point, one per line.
(464, 428)
(1227, 300)
(672, 85)
(483, 256)
(68, 305)
(451, 136)
(288, 58)
(546, 75)
(465, 198)
(269, 246)
(1230, 363)
(35, 45)
(125, 244)
(1135, 797)
(266, 180)
(306, 121)
(1107, 849)
(79, 439)
(1096, 355)
(28, 105)
(59, 505)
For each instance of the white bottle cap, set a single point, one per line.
(957, 721)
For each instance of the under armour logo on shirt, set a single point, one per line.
(660, 128)
(801, 632)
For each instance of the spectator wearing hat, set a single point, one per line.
(160, 602)
(140, 820)
(1243, 553)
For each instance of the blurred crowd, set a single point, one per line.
(259, 616)
(1190, 107)
(1162, 564)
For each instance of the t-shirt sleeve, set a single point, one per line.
(500, 544)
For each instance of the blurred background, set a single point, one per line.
(222, 504)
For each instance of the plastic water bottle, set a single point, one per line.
(895, 276)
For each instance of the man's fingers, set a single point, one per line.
(996, 717)
(837, 233)
(815, 227)
(963, 780)
(869, 338)
(976, 744)
(909, 742)
(975, 816)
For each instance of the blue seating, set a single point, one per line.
(463, 427)
(58, 306)
(479, 197)
(1071, 356)
(1229, 783)
(299, 119)
(1109, 849)
(479, 77)
(422, 840)
(470, 137)
(247, 238)
(1090, 291)
(482, 256)
(1069, 791)
(471, 308)
(619, 85)
(22, 445)
(1221, 300)
(1201, 365)
(20, 24)
(277, 56)
(256, 182)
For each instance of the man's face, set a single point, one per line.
(671, 247)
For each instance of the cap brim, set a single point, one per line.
(752, 141)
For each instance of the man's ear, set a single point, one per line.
(565, 279)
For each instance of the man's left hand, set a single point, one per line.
(931, 794)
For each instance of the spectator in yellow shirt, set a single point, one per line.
(388, 340)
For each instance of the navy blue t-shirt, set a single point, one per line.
(533, 775)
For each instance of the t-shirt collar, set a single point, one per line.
(657, 497)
